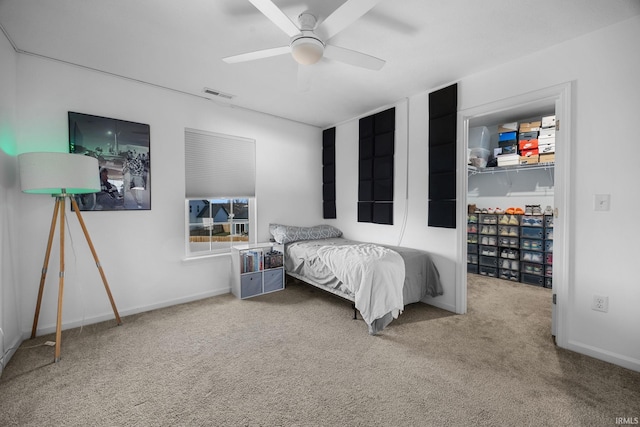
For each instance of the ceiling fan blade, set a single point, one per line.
(305, 74)
(352, 57)
(344, 16)
(276, 16)
(258, 54)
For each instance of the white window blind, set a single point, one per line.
(219, 165)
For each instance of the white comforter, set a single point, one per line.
(373, 273)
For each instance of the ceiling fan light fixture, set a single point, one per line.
(307, 50)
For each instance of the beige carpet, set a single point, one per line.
(296, 358)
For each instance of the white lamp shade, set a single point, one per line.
(58, 173)
(307, 50)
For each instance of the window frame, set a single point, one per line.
(217, 164)
(223, 249)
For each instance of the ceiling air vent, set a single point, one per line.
(217, 93)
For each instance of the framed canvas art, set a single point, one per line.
(123, 152)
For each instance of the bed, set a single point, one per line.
(378, 279)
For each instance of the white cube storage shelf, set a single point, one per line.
(257, 269)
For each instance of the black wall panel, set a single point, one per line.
(442, 186)
(442, 213)
(329, 173)
(442, 158)
(443, 108)
(383, 212)
(443, 101)
(365, 211)
(442, 130)
(376, 167)
(365, 190)
(329, 209)
(384, 121)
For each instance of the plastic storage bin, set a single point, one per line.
(532, 280)
(479, 141)
(508, 242)
(488, 271)
(508, 230)
(488, 219)
(531, 232)
(531, 244)
(488, 250)
(489, 261)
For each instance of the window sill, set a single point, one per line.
(205, 256)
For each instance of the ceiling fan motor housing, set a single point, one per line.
(306, 47)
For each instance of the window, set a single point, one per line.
(216, 224)
(218, 164)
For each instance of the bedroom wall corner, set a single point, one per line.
(10, 326)
(142, 252)
(410, 193)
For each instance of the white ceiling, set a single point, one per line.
(180, 45)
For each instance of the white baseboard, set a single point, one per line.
(50, 328)
(607, 356)
(11, 350)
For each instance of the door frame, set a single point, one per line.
(560, 96)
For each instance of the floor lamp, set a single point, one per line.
(61, 175)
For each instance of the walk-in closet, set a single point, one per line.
(510, 196)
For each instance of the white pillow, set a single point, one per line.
(290, 233)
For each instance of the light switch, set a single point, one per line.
(601, 202)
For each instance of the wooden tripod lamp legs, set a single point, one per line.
(45, 266)
(95, 257)
(59, 208)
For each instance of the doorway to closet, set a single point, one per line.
(542, 260)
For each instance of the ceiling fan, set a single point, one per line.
(308, 43)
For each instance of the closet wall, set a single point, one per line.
(506, 189)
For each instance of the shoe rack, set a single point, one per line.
(511, 246)
(472, 243)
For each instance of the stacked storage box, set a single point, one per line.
(513, 247)
(532, 250)
(488, 247)
(508, 144)
(528, 142)
(548, 251)
(508, 243)
(472, 243)
(547, 139)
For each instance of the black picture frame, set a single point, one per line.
(123, 150)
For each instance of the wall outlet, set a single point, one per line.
(600, 303)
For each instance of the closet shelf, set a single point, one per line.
(472, 170)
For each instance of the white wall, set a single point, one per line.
(603, 247)
(142, 252)
(512, 189)
(604, 255)
(410, 213)
(10, 335)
